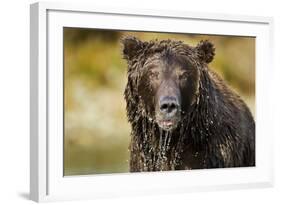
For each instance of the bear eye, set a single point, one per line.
(184, 75)
(154, 75)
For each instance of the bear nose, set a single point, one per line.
(169, 105)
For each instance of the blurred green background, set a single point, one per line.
(96, 131)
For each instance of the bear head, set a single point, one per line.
(163, 78)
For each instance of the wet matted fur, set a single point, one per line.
(216, 128)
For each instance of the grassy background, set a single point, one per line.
(97, 134)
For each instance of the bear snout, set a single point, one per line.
(168, 112)
(169, 106)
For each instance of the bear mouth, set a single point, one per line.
(167, 125)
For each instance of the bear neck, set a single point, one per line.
(152, 148)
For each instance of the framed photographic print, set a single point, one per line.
(127, 102)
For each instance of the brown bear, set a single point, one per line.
(182, 114)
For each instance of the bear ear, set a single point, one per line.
(206, 51)
(131, 47)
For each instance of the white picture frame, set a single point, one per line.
(47, 182)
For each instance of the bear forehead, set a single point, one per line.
(168, 45)
(168, 56)
(167, 49)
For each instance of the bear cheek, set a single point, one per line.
(189, 93)
(147, 97)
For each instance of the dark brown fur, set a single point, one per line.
(216, 128)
